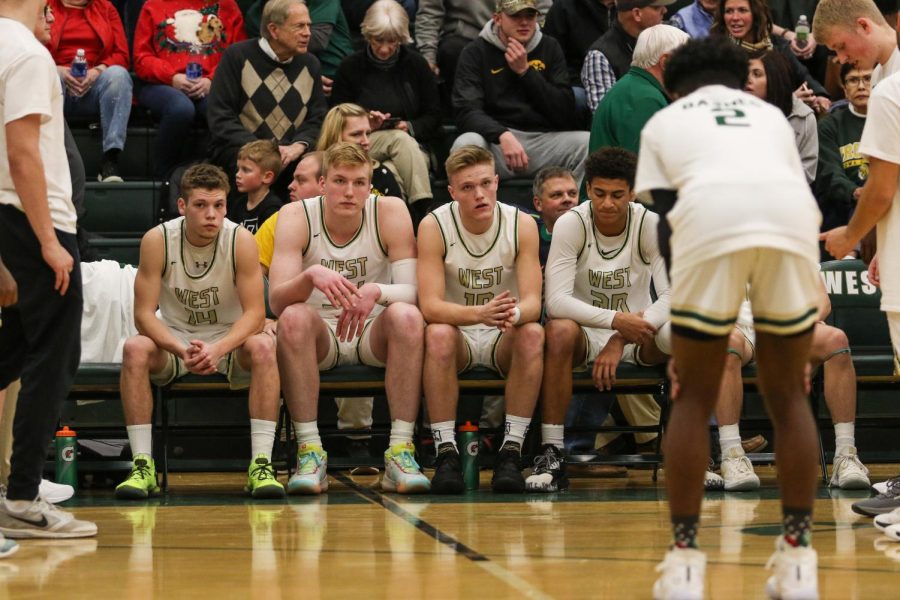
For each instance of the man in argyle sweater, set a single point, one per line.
(268, 88)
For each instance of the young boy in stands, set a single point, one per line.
(258, 165)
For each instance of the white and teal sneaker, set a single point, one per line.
(7, 547)
(401, 471)
(311, 476)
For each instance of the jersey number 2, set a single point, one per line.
(730, 117)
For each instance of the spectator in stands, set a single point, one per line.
(95, 27)
(258, 165)
(639, 94)
(393, 82)
(555, 192)
(785, 15)
(512, 96)
(842, 169)
(268, 88)
(444, 27)
(830, 350)
(305, 185)
(171, 37)
(609, 58)
(696, 18)
(770, 80)
(858, 32)
(330, 41)
(202, 271)
(748, 23)
(350, 123)
(576, 25)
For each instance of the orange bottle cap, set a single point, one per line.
(468, 427)
(65, 432)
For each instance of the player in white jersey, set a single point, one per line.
(343, 282)
(480, 291)
(730, 227)
(202, 271)
(603, 257)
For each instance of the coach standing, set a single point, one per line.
(39, 340)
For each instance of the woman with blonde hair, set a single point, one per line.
(398, 89)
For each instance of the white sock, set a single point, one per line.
(262, 438)
(553, 434)
(307, 433)
(516, 429)
(730, 437)
(401, 432)
(844, 436)
(444, 432)
(18, 506)
(140, 437)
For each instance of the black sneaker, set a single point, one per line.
(549, 474)
(448, 477)
(109, 172)
(507, 477)
(882, 503)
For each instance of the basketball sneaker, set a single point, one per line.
(712, 481)
(54, 493)
(882, 486)
(549, 474)
(448, 477)
(40, 519)
(507, 477)
(848, 472)
(885, 520)
(796, 572)
(682, 574)
(737, 471)
(402, 473)
(7, 547)
(312, 471)
(882, 503)
(262, 482)
(141, 482)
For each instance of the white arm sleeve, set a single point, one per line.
(657, 314)
(403, 288)
(559, 274)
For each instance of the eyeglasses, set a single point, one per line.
(47, 11)
(858, 81)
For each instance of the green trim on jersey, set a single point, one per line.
(585, 230)
(362, 225)
(640, 249)
(162, 228)
(516, 233)
(441, 230)
(462, 240)
(211, 262)
(703, 318)
(308, 228)
(377, 227)
(234, 256)
(613, 253)
(785, 322)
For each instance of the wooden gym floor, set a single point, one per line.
(601, 539)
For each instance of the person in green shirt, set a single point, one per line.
(636, 97)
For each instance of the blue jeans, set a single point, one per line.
(110, 97)
(176, 113)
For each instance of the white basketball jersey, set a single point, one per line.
(479, 267)
(361, 260)
(199, 298)
(613, 272)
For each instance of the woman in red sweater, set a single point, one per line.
(95, 27)
(177, 46)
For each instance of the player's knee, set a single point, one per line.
(136, 352)
(530, 340)
(560, 335)
(405, 320)
(833, 339)
(295, 323)
(261, 349)
(440, 341)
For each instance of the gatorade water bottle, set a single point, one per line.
(194, 70)
(468, 449)
(67, 457)
(79, 67)
(802, 31)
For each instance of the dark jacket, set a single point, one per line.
(786, 13)
(842, 169)
(576, 24)
(618, 48)
(801, 73)
(489, 98)
(407, 90)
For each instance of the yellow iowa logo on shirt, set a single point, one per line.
(537, 64)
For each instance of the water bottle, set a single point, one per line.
(802, 31)
(194, 70)
(79, 67)
(468, 442)
(67, 457)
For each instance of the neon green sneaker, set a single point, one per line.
(261, 480)
(141, 482)
(312, 466)
(401, 471)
